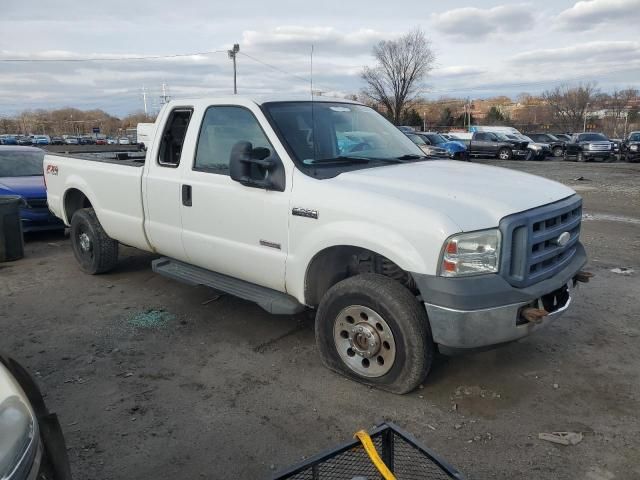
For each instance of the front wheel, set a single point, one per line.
(557, 152)
(372, 329)
(94, 250)
(505, 154)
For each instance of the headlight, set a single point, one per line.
(633, 148)
(471, 254)
(18, 428)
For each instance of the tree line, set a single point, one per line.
(69, 121)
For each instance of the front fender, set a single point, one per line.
(352, 233)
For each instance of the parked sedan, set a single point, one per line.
(21, 174)
(24, 140)
(71, 140)
(57, 141)
(456, 150)
(556, 144)
(31, 438)
(8, 140)
(427, 148)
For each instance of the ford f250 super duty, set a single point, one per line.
(324, 204)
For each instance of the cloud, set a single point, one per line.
(470, 23)
(606, 54)
(457, 71)
(589, 14)
(325, 40)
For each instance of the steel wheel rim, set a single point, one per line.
(364, 341)
(504, 155)
(85, 245)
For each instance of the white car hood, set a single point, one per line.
(473, 196)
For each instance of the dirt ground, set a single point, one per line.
(153, 379)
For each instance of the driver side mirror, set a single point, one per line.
(256, 167)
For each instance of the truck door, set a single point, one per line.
(482, 143)
(230, 228)
(162, 185)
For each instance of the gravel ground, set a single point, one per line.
(154, 379)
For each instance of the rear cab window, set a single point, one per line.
(173, 136)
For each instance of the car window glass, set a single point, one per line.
(222, 128)
(482, 136)
(172, 138)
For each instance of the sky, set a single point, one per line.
(483, 48)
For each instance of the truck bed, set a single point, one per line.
(112, 186)
(130, 159)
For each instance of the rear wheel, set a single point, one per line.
(94, 250)
(370, 328)
(505, 154)
(557, 152)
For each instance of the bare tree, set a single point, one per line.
(616, 106)
(401, 67)
(569, 105)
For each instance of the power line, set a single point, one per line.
(111, 59)
(273, 67)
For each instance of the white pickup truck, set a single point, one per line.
(324, 204)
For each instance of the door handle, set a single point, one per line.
(186, 195)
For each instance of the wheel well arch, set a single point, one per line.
(74, 200)
(334, 264)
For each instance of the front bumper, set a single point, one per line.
(485, 310)
(597, 156)
(481, 328)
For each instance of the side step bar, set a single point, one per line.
(271, 300)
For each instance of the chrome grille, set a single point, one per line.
(531, 249)
(599, 147)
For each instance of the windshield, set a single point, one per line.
(591, 137)
(635, 137)
(20, 164)
(417, 139)
(434, 138)
(337, 130)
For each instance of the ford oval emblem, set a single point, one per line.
(563, 239)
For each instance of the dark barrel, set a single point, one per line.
(11, 243)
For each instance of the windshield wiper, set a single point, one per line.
(411, 156)
(348, 159)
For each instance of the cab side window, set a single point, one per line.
(222, 128)
(173, 137)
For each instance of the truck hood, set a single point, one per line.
(28, 187)
(473, 196)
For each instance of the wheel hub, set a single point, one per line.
(364, 341)
(84, 241)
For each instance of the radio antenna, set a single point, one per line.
(313, 123)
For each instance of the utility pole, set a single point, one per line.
(144, 99)
(232, 55)
(164, 98)
(424, 121)
(584, 125)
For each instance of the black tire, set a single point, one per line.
(101, 253)
(505, 154)
(557, 151)
(399, 309)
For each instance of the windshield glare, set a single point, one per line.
(335, 130)
(589, 137)
(20, 164)
(434, 138)
(635, 137)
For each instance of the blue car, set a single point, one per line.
(456, 150)
(21, 174)
(8, 140)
